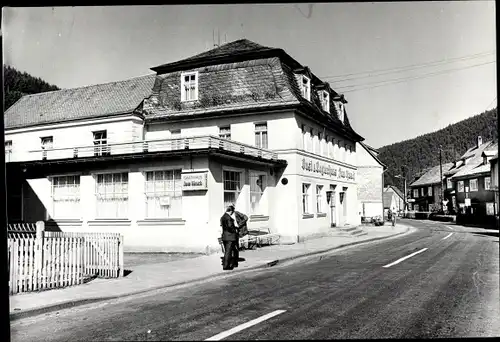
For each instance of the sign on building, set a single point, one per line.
(192, 181)
(329, 169)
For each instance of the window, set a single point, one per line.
(175, 135)
(319, 199)
(100, 143)
(324, 97)
(487, 183)
(225, 132)
(163, 194)
(320, 143)
(429, 191)
(341, 112)
(306, 88)
(415, 193)
(46, 144)
(311, 140)
(232, 187)
(460, 186)
(329, 147)
(8, 150)
(473, 184)
(189, 86)
(421, 192)
(261, 135)
(490, 208)
(257, 188)
(66, 197)
(112, 195)
(305, 198)
(449, 183)
(304, 138)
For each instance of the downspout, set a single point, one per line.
(384, 169)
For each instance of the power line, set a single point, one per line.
(411, 66)
(405, 79)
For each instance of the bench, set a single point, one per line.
(255, 238)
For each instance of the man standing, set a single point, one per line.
(230, 239)
(394, 213)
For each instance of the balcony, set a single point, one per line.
(146, 147)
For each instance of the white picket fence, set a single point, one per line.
(58, 259)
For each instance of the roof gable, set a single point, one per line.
(79, 103)
(431, 176)
(393, 188)
(475, 163)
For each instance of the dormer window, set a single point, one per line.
(189, 86)
(306, 87)
(324, 97)
(341, 112)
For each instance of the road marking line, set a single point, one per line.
(243, 326)
(404, 258)
(447, 236)
(449, 227)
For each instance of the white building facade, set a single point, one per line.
(159, 157)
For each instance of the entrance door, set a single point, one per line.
(332, 204)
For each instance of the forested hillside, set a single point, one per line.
(17, 84)
(423, 152)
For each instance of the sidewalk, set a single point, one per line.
(150, 277)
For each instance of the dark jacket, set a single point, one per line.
(229, 232)
(241, 219)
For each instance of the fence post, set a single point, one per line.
(120, 255)
(40, 232)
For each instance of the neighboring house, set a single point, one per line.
(426, 190)
(494, 181)
(472, 180)
(370, 181)
(158, 157)
(393, 198)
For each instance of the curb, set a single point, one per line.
(73, 303)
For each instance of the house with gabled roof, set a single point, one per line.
(393, 198)
(471, 179)
(159, 157)
(425, 191)
(370, 181)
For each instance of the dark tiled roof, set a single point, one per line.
(432, 175)
(475, 163)
(236, 86)
(79, 103)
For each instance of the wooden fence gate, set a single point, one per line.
(41, 260)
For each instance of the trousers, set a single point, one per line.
(231, 254)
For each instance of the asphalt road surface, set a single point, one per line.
(441, 281)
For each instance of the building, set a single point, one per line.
(494, 181)
(158, 157)
(393, 198)
(370, 181)
(425, 192)
(471, 179)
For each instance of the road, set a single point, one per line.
(441, 281)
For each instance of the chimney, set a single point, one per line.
(479, 141)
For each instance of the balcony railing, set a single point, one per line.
(145, 146)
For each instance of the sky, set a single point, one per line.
(405, 68)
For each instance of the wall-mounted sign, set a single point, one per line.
(194, 181)
(411, 200)
(337, 172)
(165, 201)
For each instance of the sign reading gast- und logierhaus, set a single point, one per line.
(331, 170)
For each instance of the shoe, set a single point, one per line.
(235, 266)
(227, 269)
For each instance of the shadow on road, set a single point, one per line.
(495, 234)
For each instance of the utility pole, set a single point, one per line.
(441, 176)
